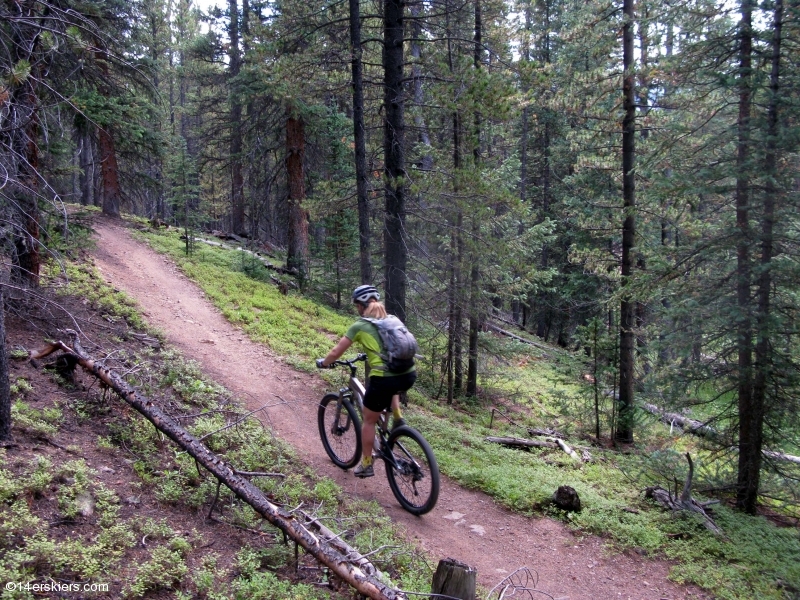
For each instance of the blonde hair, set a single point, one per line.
(375, 310)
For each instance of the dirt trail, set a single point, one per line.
(465, 525)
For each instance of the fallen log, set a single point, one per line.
(518, 338)
(781, 456)
(258, 257)
(689, 425)
(563, 445)
(546, 433)
(684, 502)
(553, 443)
(326, 547)
(702, 429)
(521, 442)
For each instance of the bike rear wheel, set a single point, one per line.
(340, 430)
(414, 476)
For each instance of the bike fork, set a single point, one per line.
(337, 428)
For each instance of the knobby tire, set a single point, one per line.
(415, 481)
(341, 438)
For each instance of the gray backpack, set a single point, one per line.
(398, 343)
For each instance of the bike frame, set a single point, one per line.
(356, 390)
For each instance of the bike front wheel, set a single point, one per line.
(340, 430)
(412, 471)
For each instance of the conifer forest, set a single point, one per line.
(618, 179)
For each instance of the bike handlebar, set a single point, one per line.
(344, 363)
(351, 362)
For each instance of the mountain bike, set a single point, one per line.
(411, 467)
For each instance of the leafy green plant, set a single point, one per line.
(164, 570)
(41, 476)
(43, 422)
(28, 551)
(73, 494)
(85, 282)
(267, 586)
(208, 578)
(20, 387)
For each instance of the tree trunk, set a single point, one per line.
(472, 351)
(451, 319)
(396, 252)
(519, 306)
(5, 384)
(624, 432)
(475, 273)
(749, 458)
(109, 169)
(458, 332)
(20, 121)
(545, 175)
(747, 494)
(416, 55)
(474, 321)
(109, 172)
(359, 137)
(87, 169)
(298, 216)
(237, 179)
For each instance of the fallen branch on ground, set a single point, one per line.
(324, 546)
(553, 443)
(263, 261)
(520, 442)
(514, 336)
(685, 423)
(673, 502)
(704, 430)
(562, 444)
(546, 433)
(781, 456)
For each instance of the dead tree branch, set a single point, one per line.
(518, 338)
(704, 430)
(520, 442)
(673, 502)
(316, 540)
(685, 423)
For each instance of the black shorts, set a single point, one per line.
(381, 389)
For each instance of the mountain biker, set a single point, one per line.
(383, 387)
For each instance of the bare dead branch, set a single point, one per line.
(316, 539)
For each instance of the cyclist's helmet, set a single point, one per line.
(364, 293)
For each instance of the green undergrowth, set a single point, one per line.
(82, 280)
(754, 559)
(63, 518)
(292, 326)
(531, 388)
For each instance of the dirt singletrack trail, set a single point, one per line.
(465, 525)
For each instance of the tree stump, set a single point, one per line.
(566, 498)
(454, 579)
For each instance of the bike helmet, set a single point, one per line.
(364, 293)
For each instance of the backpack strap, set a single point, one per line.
(382, 354)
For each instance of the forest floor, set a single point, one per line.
(466, 525)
